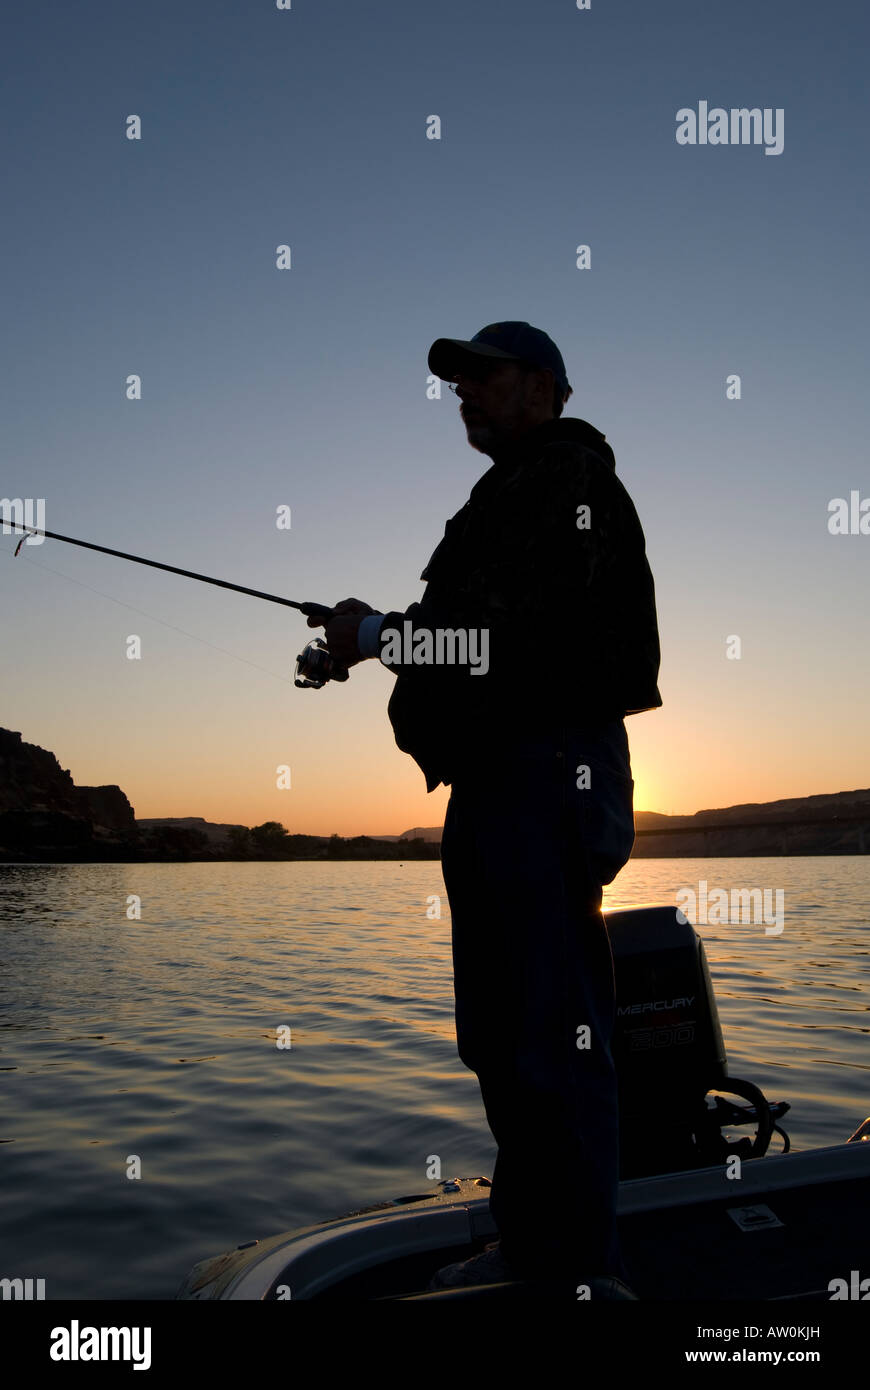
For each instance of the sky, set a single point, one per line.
(308, 387)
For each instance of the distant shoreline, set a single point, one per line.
(45, 818)
(128, 858)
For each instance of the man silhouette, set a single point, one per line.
(547, 558)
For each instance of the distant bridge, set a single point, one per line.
(861, 820)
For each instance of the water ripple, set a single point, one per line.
(157, 1039)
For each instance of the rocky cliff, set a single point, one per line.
(42, 810)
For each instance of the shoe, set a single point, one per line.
(489, 1267)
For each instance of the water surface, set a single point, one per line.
(157, 1038)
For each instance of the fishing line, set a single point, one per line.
(151, 618)
(315, 664)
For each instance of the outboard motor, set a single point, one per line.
(669, 1052)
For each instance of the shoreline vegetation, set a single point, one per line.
(166, 841)
(46, 818)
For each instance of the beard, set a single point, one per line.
(481, 437)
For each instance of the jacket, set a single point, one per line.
(547, 533)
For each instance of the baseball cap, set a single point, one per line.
(514, 340)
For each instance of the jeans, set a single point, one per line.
(525, 852)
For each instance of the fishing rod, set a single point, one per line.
(315, 665)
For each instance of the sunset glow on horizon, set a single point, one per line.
(308, 387)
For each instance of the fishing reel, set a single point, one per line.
(316, 665)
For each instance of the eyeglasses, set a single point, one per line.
(482, 373)
(479, 375)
